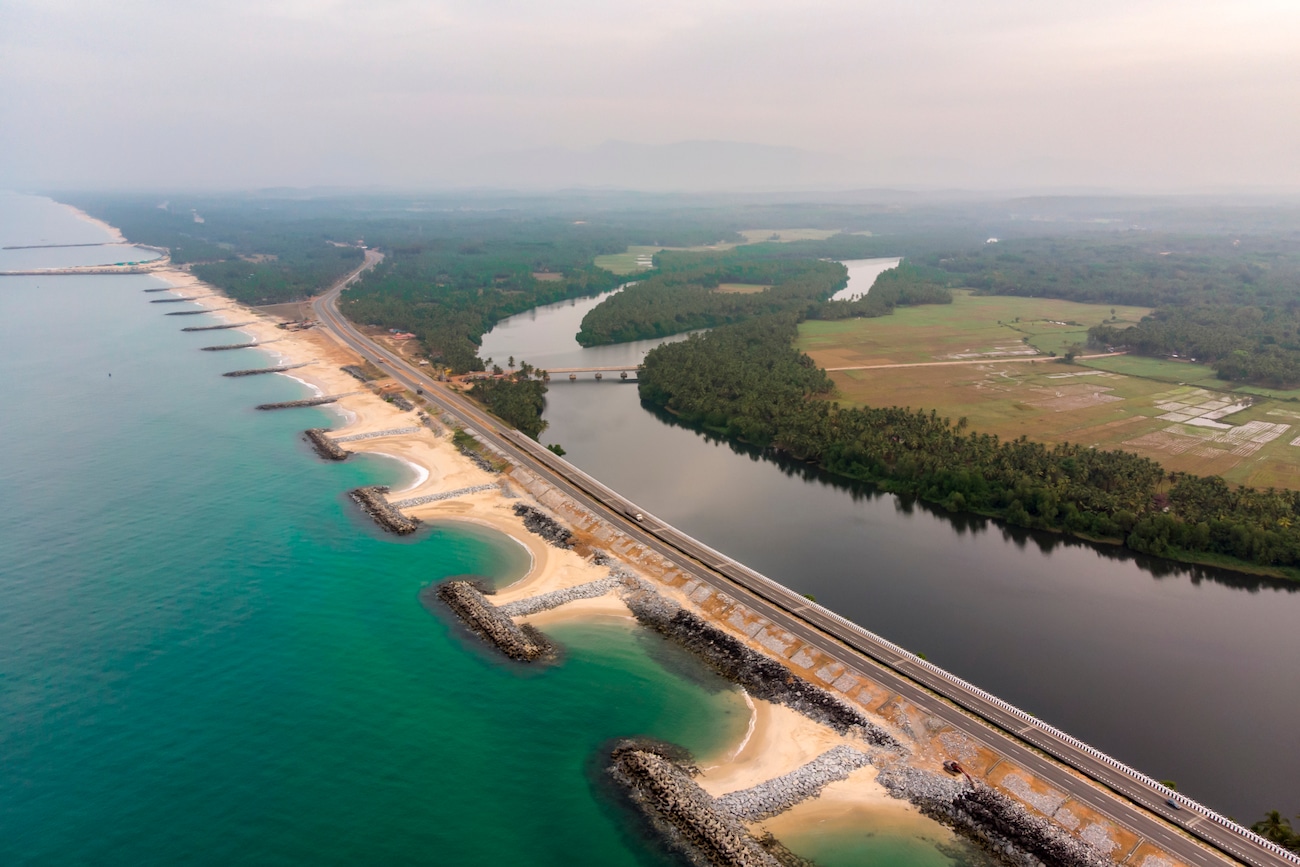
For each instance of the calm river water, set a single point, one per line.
(1187, 674)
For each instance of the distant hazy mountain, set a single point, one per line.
(689, 165)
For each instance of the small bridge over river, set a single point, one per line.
(626, 371)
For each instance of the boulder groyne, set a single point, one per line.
(230, 346)
(169, 300)
(781, 793)
(324, 446)
(445, 495)
(992, 820)
(523, 643)
(393, 431)
(686, 816)
(761, 676)
(537, 521)
(254, 371)
(372, 501)
(292, 404)
(187, 313)
(216, 327)
(556, 598)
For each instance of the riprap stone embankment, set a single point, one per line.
(324, 446)
(537, 521)
(372, 501)
(685, 815)
(763, 677)
(523, 643)
(781, 793)
(994, 821)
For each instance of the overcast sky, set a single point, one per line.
(1189, 94)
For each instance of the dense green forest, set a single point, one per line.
(516, 398)
(901, 286)
(685, 296)
(255, 255)
(1247, 344)
(1230, 303)
(747, 381)
(450, 294)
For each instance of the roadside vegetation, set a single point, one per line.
(516, 398)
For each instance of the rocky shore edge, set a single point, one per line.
(520, 642)
(372, 501)
(761, 676)
(991, 820)
(324, 446)
(683, 814)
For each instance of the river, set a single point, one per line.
(1187, 674)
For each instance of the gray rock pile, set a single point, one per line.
(537, 521)
(523, 643)
(437, 498)
(781, 793)
(763, 677)
(372, 501)
(1002, 826)
(324, 446)
(687, 817)
(481, 462)
(556, 598)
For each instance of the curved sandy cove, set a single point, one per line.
(779, 740)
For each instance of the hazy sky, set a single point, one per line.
(977, 93)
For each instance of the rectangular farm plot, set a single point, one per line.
(973, 327)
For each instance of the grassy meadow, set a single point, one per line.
(1177, 413)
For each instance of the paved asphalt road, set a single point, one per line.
(1140, 807)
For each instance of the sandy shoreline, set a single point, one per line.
(778, 740)
(112, 231)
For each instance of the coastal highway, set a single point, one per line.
(1141, 804)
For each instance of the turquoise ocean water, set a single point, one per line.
(207, 656)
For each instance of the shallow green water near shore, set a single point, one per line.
(208, 656)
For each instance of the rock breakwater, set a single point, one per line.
(523, 643)
(216, 327)
(687, 817)
(228, 346)
(291, 404)
(372, 501)
(763, 677)
(187, 312)
(556, 598)
(255, 371)
(781, 793)
(537, 521)
(992, 820)
(324, 446)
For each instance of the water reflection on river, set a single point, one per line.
(1187, 674)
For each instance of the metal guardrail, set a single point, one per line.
(781, 590)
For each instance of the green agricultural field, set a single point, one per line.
(627, 263)
(935, 357)
(972, 327)
(1160, 369)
